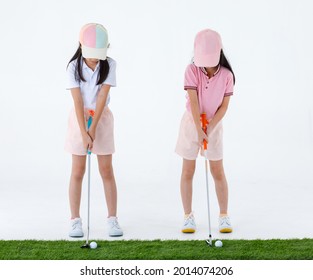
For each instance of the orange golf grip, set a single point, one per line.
(204, 124)
(205, 145)
(91, 113)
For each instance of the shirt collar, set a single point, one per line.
(204, 71)
(85, 66)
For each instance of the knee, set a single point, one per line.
(78, 173)
(106, 172)
(188, 173)
(217, 173)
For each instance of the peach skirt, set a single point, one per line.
(104, 141)
(187, 144)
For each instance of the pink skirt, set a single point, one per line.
(104, 141)
(187, 144)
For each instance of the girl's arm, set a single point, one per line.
(220, 113)
(194, 105)
(101, 101)
(79, 109)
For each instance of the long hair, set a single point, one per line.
(103, 71)
(224, 62)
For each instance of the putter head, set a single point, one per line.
(85, 246)
(209, 242)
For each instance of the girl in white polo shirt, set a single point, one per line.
(209, 82)
(91, 74)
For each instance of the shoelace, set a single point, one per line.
(75, 224)
(225, 220)
(189, 219)
(115, 224)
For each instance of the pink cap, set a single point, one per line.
(207, 48)
(93, 38)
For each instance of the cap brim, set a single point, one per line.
(207, 60)
(94, 53)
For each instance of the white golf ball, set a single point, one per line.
(218, 243)
(93, 245)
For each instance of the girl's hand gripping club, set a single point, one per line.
(204, 125)
(89, 122)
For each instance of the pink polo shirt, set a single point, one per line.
(210, 91)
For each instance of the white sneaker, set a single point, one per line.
(114, 227)
(224, 224)
(76, 228)
(189, 224)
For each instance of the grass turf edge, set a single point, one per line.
(233, 249)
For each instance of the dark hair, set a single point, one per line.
(224, 62)
(103, 71)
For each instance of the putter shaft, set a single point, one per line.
(208, 198)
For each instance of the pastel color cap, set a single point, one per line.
(207, 48)
(94, 41)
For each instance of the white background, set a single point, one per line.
(268, 128)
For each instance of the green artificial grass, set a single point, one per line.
(274, 249)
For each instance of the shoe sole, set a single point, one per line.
(115, 235)
(76, 236)
(226, 230)
(188, 230)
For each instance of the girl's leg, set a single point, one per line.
(107, 175)
(221, 187)
(78, 171)
(188, 171)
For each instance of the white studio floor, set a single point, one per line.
(153, 211)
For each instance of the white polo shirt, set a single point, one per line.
(89, 89)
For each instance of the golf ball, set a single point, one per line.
(218, 243)
(93, 245)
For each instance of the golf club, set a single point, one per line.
(204, 123)
(86, 245)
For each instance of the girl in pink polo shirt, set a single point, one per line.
(209, 82)
(91, 74)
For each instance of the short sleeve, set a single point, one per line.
(111, 78)
(191, 80)
(229, 85)
(71, 81)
